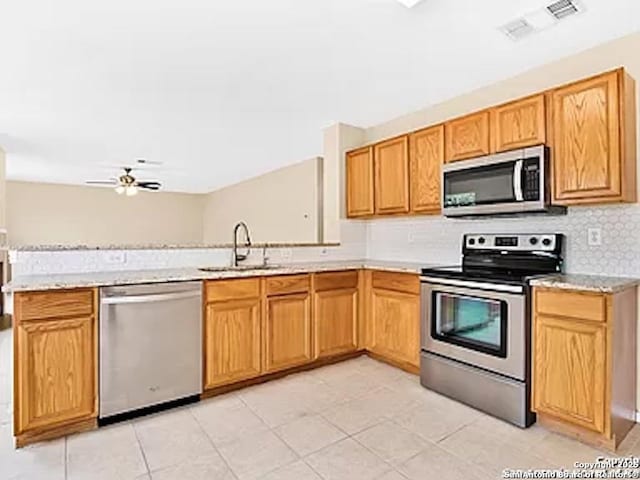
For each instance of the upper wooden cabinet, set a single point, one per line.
(55, 368)
(232, 340)
(359, 189)
(391, 160)
(426, 156)
(467, 137)
(518, 124)
(594, 140)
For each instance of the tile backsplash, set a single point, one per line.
(438, 239)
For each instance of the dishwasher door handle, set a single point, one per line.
(162, 297)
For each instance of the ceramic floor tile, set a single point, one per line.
(309, 434)
(295, 471)
(392, 475)
(564, 451)
(170, 438)
(434, 462)
(347, 459)
(391, 442)
(206, 467)
(255, 455)
(108, 453)
(42, 461)
(226, 419)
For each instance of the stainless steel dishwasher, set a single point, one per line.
(150, 345)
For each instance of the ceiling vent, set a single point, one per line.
(564, 8)
(518, 29)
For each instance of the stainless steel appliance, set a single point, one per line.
(150, 345)
(504, 183)
(475, 323)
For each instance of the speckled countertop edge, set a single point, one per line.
(587, 283)
(150, 246)
(132, 277)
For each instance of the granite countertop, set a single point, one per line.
(167, 246)
(589, 283)
(131, 277)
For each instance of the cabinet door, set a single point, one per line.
(518, 124)
(287, 331)
(569, 370)
(586, 141)
(56, 372)
(467, 137)
(395, 324)
(426, 155)
(391, 159)
(335, 320)
(232, 341)
(359, 173)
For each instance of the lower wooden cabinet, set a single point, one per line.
(584, 363)
(394, 323)
(336, 314)
(232, 341)
(55, 366)
(287, 331)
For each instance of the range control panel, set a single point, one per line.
(549, 242)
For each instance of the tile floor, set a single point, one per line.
(359, 419)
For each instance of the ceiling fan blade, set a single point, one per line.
(149, 185)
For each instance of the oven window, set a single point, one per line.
(480, 186)
(472, 322)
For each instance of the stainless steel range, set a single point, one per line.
(475, 323)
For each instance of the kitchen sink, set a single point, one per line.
(239, 268)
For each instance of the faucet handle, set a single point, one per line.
(265, 259)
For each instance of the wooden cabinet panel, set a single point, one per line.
(467, 137)
(336, 280)
(401, 282)
(395, 326)
(232, 341)
(359, 187)
(580, 305)
(287, 331)
(283, 284)
(59, 303)
(391, 160)
(55, 372)
(426, 156)
(218, 290)
(518, 124)
(589, 159)
(570, 366)
(335, 321)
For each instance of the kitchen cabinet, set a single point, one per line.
(584, 363)
(335, 313)
(426, 156)
(467, 137)
(518, 124)
(232, 331)
(391, 160)
(594, 140)
(360, 182)
(394, 323)
(286, 325)
(55, 363)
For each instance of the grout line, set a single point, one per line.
(144, 455)
(66, 466)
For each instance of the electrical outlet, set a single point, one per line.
(116, 257)
(286, 252)
(594, 237)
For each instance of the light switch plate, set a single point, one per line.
(594, 237)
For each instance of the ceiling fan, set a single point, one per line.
(127, 184)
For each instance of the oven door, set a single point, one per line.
(482, 324)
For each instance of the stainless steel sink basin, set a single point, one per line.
(239, 268)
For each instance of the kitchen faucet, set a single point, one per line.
(240, 257)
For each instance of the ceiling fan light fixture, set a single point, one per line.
(131, 190)
(120, 189)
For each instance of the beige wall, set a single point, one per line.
(41, 213)
(280, 206)
(3, 192)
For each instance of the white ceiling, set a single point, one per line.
(224, 90)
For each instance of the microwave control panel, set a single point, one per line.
(531, 179)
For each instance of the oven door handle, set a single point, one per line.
(517, 180)
(471, 284)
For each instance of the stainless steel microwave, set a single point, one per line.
(514, 182)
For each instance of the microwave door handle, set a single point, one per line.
(517, 180)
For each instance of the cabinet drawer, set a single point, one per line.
(232, 289)
(400, 282)
(579, 305)
(65, 303)
(283, 284)
(336, 280)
